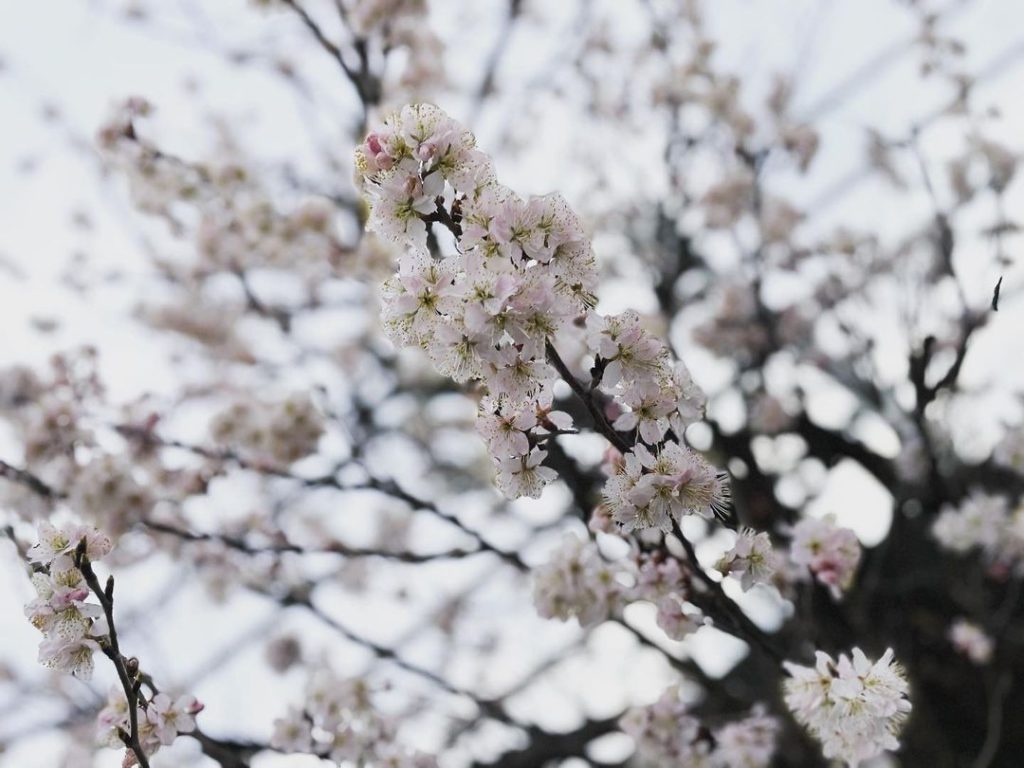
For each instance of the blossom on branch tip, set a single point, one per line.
(54, 542)
(652, 491)
(522, 278)
(71, 626)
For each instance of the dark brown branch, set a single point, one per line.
(27, 479)
(830, 446)
(544, 746)
(586, 396)
(112, 650)
(229, 754)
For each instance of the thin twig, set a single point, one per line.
(111, 649)
(994, 727)
(337, 548)
(357, 80)
(587, 397)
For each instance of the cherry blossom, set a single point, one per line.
(577, 582)
(71, 627)
(751, 557)
(667, 733)
(522, 279)
(971, 641)
(829, 552)
(54, 542)
(854, 707)
(340, 720)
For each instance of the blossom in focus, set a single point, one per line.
(751, 557)
(649, 490)
(54, 542)
(853, 707)
(520, 282)
(71, 626)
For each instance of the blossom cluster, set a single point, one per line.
(72, 628)
(737, 328)
(522, 277)
(828, 551)
(160, 721)
(156, 180)
(662, 580)
(751, 558)
(46, 411)
(341, 722)
(660, 479)
(240, 231)
(577, 582)
(523, 270)
(368, 16)
(238, 226)
(282, 431)
(106, 490)
(854, 707)
(647, 490)
(985, 522)
(401, 25)
(667, 733)
(53, 418)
